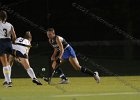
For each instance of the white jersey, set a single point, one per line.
(5, 29)
(21, 48)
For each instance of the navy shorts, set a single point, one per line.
(5, 46)
(68, 52)
(19, 54)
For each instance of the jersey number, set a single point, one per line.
(21, 40)
(5, 32)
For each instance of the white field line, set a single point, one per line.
(97, 94)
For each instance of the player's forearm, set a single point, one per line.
(61, 53)
(54, 53)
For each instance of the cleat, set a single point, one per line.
(36, 81)
(46, 79)
(63, 81)
(7, 84)
(4, 83)
(96, 77)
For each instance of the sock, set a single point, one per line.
(60, 73)
(87, 71)
(6, 73)
(10, 70)
(31, 73)
(62, 76)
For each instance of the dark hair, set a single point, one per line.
(50, 30)
(28, 35)
(3, 15)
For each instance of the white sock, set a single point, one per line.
(10, 70)
(31, 73)
(6, 73)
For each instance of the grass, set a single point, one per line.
(79, 88)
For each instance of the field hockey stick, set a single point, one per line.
(49, 81)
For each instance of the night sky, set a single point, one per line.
(70, 22)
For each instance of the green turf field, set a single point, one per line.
(84, 88)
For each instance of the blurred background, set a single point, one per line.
(94, 42)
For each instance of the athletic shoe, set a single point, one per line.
(46, 79)
(96, 77)
(36, 81)
(6, 84)
(63, 81)
(9, 84)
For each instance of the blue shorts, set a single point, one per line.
(5, 46)
(68, 52)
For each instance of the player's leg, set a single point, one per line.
(6, 69)
(59, 71)
(85, 70)
(5, 50)
(10, 59)
(30, 71)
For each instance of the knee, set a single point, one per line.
(78, 68)
(26, 67)
(53, 67)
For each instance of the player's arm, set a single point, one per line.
(54, 53)
(12, 31)
(59, 42)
